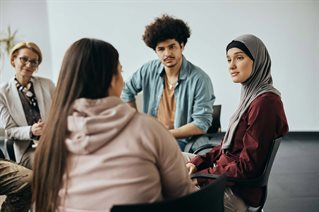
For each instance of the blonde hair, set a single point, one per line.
(28, 45)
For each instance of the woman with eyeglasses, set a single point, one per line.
(24, 104)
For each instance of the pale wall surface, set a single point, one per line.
(289, 28)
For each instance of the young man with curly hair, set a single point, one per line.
(179, 94)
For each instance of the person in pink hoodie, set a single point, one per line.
(97, 151)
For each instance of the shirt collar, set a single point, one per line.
(184, 72)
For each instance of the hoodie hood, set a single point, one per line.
(94, 123)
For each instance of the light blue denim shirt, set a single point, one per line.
(194, 94)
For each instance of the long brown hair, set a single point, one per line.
(87, 70)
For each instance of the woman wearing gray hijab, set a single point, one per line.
(259, 119)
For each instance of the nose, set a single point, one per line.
(231, 65)
(167, 52)
(28, 63)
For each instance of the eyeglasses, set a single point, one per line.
(25, 60)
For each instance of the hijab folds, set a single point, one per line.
(259, 82)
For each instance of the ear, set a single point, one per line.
(12, 61)
(182, 46)
(110, 89)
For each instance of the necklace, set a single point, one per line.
(171, 85)
(26, 90)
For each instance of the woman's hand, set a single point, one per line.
(191, 168)
(37, 128)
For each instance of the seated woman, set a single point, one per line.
(24, 104)
(25, 101)
(259, 119)
(97, 151)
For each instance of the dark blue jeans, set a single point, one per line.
(181, 144)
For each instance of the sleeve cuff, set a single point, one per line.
(197, 160)
(33, 137)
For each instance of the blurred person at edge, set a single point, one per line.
(24, 104)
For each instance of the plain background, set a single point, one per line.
(289, 28)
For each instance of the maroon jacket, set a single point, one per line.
(263, 121)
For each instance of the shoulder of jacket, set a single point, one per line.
(43, 79)
(6, 85)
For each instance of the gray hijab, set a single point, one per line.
(259, 82)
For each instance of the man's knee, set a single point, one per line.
(13, 177)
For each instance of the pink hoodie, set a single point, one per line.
(119, 156)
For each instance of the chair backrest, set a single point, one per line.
(1, 154)
(211, 132)
(2, 138)
(216, 126)
(262, 180)
(270, 160)
(209, 198)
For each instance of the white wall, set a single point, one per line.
(30, 19)
(289, 29)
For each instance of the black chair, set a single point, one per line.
(207, 199)
(216, 126)
(1, 154)
(10, 149)
(2, 138)
(211, 132)
(260, 181)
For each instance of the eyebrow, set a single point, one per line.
(30, 58)
(236, 53)
(169, 45)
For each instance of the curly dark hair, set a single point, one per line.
(166, 27)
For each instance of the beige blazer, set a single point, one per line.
(12, 117)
